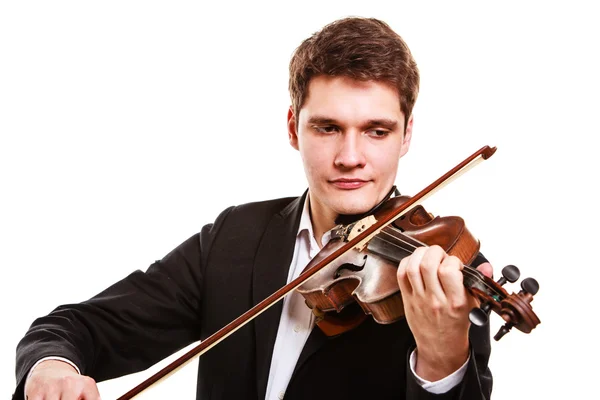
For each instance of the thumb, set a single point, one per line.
(486, 269)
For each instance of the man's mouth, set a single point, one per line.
(348, 183)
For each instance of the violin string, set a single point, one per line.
(411, 247)
(400, 236)
(404, 239)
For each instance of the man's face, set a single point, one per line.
(350, 135)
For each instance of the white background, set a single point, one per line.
(126, 126)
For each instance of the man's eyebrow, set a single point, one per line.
(318, 119)
(390, 124)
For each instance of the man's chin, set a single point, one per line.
(352, 209)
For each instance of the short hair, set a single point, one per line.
(364, 49)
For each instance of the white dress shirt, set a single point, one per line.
(297, 321)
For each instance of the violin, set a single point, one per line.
(356, 270)
(367, 276)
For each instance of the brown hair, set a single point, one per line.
(358, 48)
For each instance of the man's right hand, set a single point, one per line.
(56, 380)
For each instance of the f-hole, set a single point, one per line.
(350, 267)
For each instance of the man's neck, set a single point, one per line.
(322, 219)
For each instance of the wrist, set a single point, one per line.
(435, 365)
(53, 365)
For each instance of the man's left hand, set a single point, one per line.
(437, 306)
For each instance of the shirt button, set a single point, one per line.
(297, 328)
(281, 395)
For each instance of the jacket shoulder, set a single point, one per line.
(249, 219)
(266, 208)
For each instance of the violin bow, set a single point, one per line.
(359, 239)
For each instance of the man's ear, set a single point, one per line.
(407, 136)
(292, 128)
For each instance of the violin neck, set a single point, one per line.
(393, 245)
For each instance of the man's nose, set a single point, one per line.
(350, 153)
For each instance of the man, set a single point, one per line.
(353, 86)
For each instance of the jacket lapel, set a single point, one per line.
(314, 342)
(271, 266)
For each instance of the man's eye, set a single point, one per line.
(379, 133)
(326, 129)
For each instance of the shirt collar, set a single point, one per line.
(306, 224)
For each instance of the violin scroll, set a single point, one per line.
(514, 308)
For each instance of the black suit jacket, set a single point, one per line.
(205, 283)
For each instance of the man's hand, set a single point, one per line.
(437, 306)
(57, 380)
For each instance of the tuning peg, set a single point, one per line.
(504, 329)
(479, 315)
(530, 285)
(510, 273)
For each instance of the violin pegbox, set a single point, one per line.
(514, 308)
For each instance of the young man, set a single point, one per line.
(353, 86)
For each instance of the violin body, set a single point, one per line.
(367, 276)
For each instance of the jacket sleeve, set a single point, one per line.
(131, 325)
(477, 382)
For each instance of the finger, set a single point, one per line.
(486, 269)
(413, 271)
(451, 278)
(403, 283)
(430, 264)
